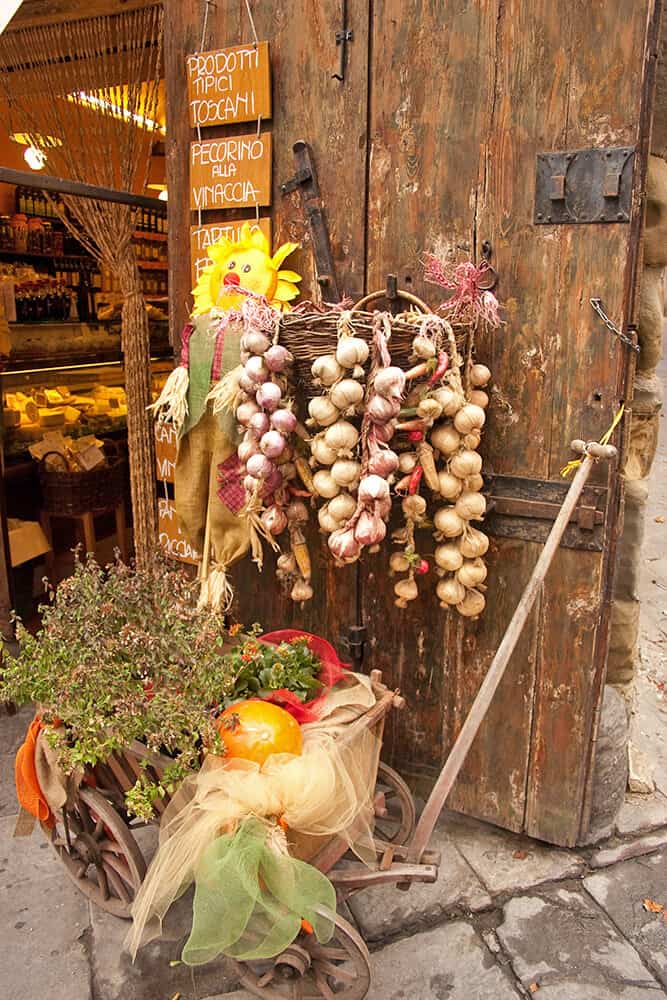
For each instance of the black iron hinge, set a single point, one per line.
(584, 186)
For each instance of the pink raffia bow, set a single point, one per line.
(470, 296)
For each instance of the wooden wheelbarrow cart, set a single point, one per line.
(95, 839)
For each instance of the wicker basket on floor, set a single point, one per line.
(66, 492)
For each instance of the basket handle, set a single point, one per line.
(382, 294)
(62, 458)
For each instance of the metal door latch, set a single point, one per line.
(343, 38)
(353, 642)
(584, 186)
(305, 181)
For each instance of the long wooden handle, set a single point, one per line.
(464, 740)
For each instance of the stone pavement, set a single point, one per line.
(508, 917)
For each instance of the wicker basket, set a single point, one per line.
(307, 335)
(65, 492)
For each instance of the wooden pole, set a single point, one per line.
(59, 185)
(480, 706)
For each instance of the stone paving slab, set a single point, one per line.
(13, 729)
(44, 951)
(448, 963)
(563, 944)
(151, 976)
(507, 862)
(641, 814)
(629, 849)
(620, 893)
(384, 910)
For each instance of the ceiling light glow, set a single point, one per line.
(35, 158)
(101, 104)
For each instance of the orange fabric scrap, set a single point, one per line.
(28, 790)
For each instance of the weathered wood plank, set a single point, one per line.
(431, 83)
(604, 104)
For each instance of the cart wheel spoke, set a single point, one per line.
(266, 978)
(102, 881)
(328, 953)
(323, 987)
(119, 866)
(99, 829)
(337, 971)
(118, 885)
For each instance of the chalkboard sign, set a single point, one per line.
(229, 85)
(202, 237)
(170, 537)
(166, 450)
(233, 172)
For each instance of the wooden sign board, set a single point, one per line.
(170, 537)
(229, 85)
(232, 172)
(166, 449)
(202, 237)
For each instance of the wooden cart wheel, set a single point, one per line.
(99, 853)
(308, 970)
(396, 824)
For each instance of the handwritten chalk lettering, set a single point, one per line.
(166, 451)
(166, 434)
(202, 237)
(170, 537)
(229, 85)
(231, 172)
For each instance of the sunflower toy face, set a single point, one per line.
(246, 264)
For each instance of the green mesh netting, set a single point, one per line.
(250, 897)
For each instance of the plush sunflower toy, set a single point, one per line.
(243, 287)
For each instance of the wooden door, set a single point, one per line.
(430, 142)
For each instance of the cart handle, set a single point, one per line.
(443, 786)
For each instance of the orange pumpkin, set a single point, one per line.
(256, 729)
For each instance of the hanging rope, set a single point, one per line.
(576, 462)
(92, 84)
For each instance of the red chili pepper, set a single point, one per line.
(422, 567)
(441, 368)
(415, 480)
(416, 436)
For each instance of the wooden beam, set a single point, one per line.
(182, 33)
(37, 12)
(62, 186)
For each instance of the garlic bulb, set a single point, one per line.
(450, 591)
(472, 440)
(445, 438)
(474, 483)
(342, 507)
(256, 370)
(479, 375)
(326, 369)
(449, 558)
(406, 462)
(466, 463)
(413, 507)
(342, 437)
(450, 401)
(472, 604)
(448, 522)
(381, 410)
(327, 521)
(346, 393)
(323, 411)
(351, 351)
(423, 347)
(325, 485)
(383, 463)
(297, 512)
(370, 529)
(372, 488)
(301, 591)
(321, 452)
(344, 545)
(479, 398)
(472, 572)
(390, 382)
(405, 590)
(345, 472)
(469, 418)
(470, 506)
(398, 563)
(449, 486)
(255, 342)
(286, 563)
(274, 519)
(429, 409)
(474, 543)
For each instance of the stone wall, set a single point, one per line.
(645, 411)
